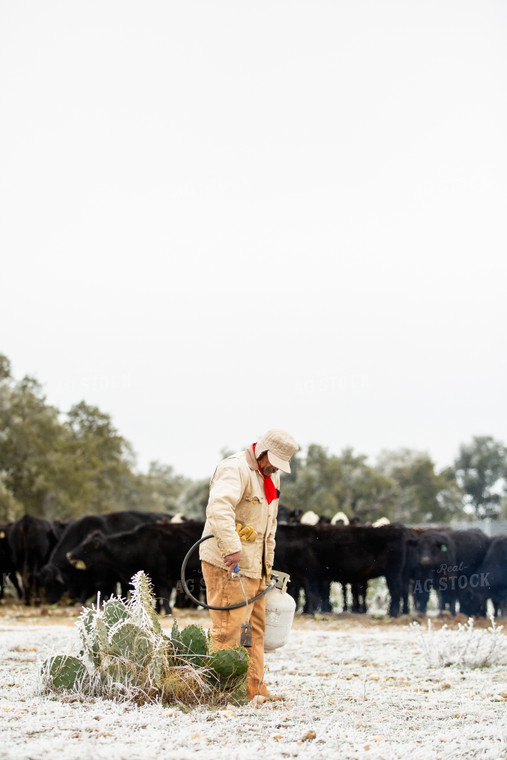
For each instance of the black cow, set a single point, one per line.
(471, 548)
(430, 559)
(157, 548)
(489, 580)
(295, 554)
(317, 555)
(58, 575)
(320, 596)
(355, 554)
(292, 545)
(7, 566)
(32, 540)
(445, 560)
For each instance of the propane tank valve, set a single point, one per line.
(281, 579)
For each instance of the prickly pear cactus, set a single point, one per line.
(228, 672)
(89, 637)
(229, 662)
(189, 645)
(141, 603)
(176, 637)
(125, 654)
(129, 642)
(65, 672)
(115, 611)
(194, 640)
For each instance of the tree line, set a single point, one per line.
(57, 466)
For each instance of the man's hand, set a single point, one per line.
(232, 560)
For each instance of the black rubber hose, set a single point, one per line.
(209, 606)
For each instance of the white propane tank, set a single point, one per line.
(280, 609)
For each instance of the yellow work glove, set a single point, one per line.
(246, 533)
(267, 569)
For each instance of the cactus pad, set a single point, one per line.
(131, 643)
(114, 611)
(66, 672)
(194, 640)
(229, 662)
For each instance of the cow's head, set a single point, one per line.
(434, 550)
(51, 578)
(88, 552)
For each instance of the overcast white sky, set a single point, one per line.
(219, 217)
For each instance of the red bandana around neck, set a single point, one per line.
(269, 486)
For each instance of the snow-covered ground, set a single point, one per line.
(353, 689)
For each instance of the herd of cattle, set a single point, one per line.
(98, 553)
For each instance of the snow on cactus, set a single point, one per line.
(126, 655)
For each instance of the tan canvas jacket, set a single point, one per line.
(237, 496)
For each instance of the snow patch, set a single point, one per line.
(351, 692)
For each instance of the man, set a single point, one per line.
(241, 515)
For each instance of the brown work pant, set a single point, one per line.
(222, 590)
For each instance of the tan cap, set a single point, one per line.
(280, 446)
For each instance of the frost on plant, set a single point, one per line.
(464, 647)
(126, 655)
